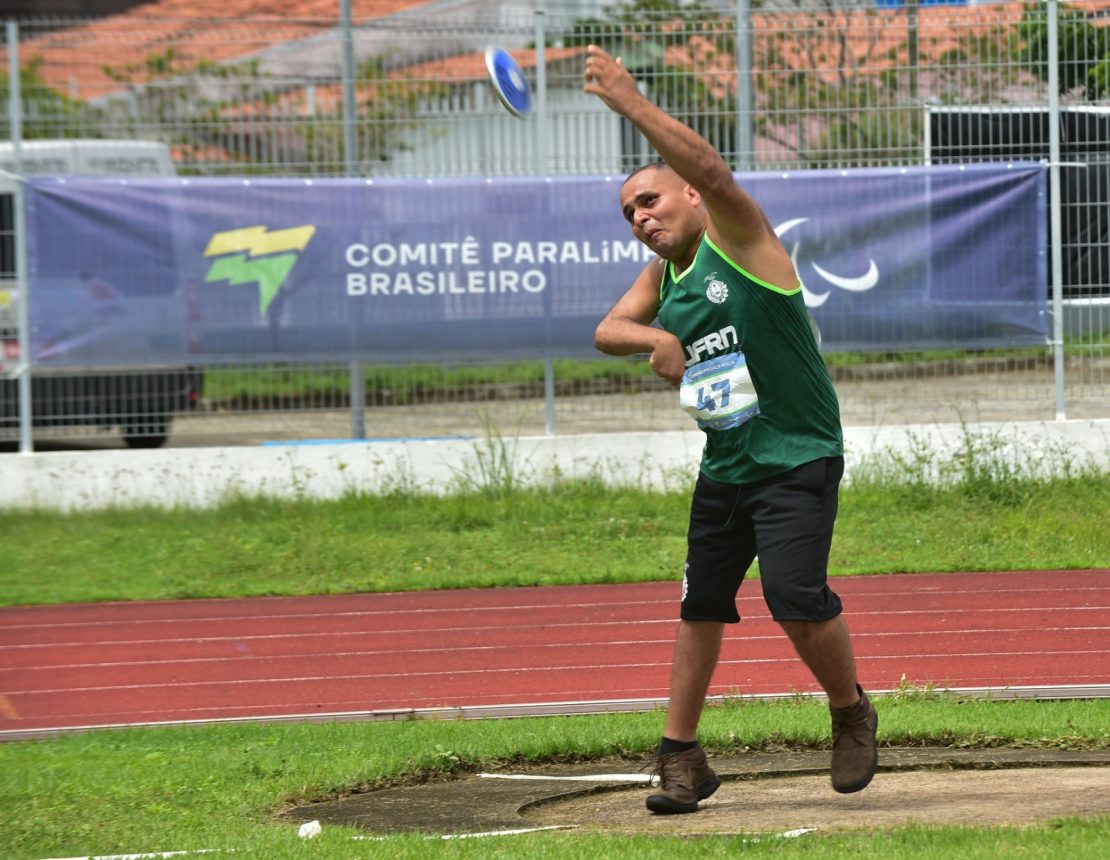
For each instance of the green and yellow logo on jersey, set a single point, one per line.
(255, 255)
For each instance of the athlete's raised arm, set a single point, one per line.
(736, 222)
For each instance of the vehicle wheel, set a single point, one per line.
(145, 441)
(148, 434)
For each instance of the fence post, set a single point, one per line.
(19, 224)
(350, 138)
(912, 49)
(350, 165)
(542, 170)
(357, 385)
(1055, 214)
(744, 154)
(541, 95)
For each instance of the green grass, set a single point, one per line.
(571, 533)
(1061, 839)
(401, 384)
(1020, 355)
(221, 786)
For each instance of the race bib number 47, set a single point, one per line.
(718, 393)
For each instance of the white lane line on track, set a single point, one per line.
(524, 628)
(352, 613)
(300, 679)
(247, 659)
(1081, 687)
(615, 643)
(377, 631)
(465, 610)
(480, 626)
(561, 708)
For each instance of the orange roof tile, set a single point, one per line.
(74, 59)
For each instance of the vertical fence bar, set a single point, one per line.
(542, 169)
(912, 49)
(350, 165)
(26, 403)
(744, 148)
(549, 396)
(19, 245)
(350, 138)
(357, 388)
(1055, 215)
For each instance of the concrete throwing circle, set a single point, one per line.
(780, 792)
(783, 804)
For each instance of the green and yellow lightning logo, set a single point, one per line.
(252, 255)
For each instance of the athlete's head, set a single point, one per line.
(665, 213)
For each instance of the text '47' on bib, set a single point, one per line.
(718, 393)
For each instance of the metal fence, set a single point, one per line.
(774, 85)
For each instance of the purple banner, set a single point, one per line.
(170, 271)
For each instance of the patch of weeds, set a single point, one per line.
(981, 465)
(908, 691)
(445, 758)
(493, 469)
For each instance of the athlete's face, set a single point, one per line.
(665, 213)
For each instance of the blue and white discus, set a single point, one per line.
(508, 81)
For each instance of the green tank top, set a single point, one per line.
(715, 308)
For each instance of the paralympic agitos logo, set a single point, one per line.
(256, 255)
(857, 284)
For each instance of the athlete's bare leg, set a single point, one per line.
(696, 649)
(826, 649)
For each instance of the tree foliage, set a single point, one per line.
(47, 113)
(676, 51)
(833, 86)
(388, 104)
(235, 115)
(1083, 49)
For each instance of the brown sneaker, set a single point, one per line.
(684, 779)
(855, 755)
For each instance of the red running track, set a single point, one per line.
(370, 656)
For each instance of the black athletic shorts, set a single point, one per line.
(787, 521)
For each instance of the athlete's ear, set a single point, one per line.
(692, 194)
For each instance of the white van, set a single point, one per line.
(87, 158)
(140, 401)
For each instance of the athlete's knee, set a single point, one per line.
(787, 602)
(707, 609)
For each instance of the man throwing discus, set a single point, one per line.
(736, 339)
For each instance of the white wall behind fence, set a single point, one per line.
(200, 477)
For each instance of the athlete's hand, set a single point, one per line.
(606, 77)
(668, 359)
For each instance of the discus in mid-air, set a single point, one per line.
(508, 81)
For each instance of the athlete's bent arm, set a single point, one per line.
(627, 329)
